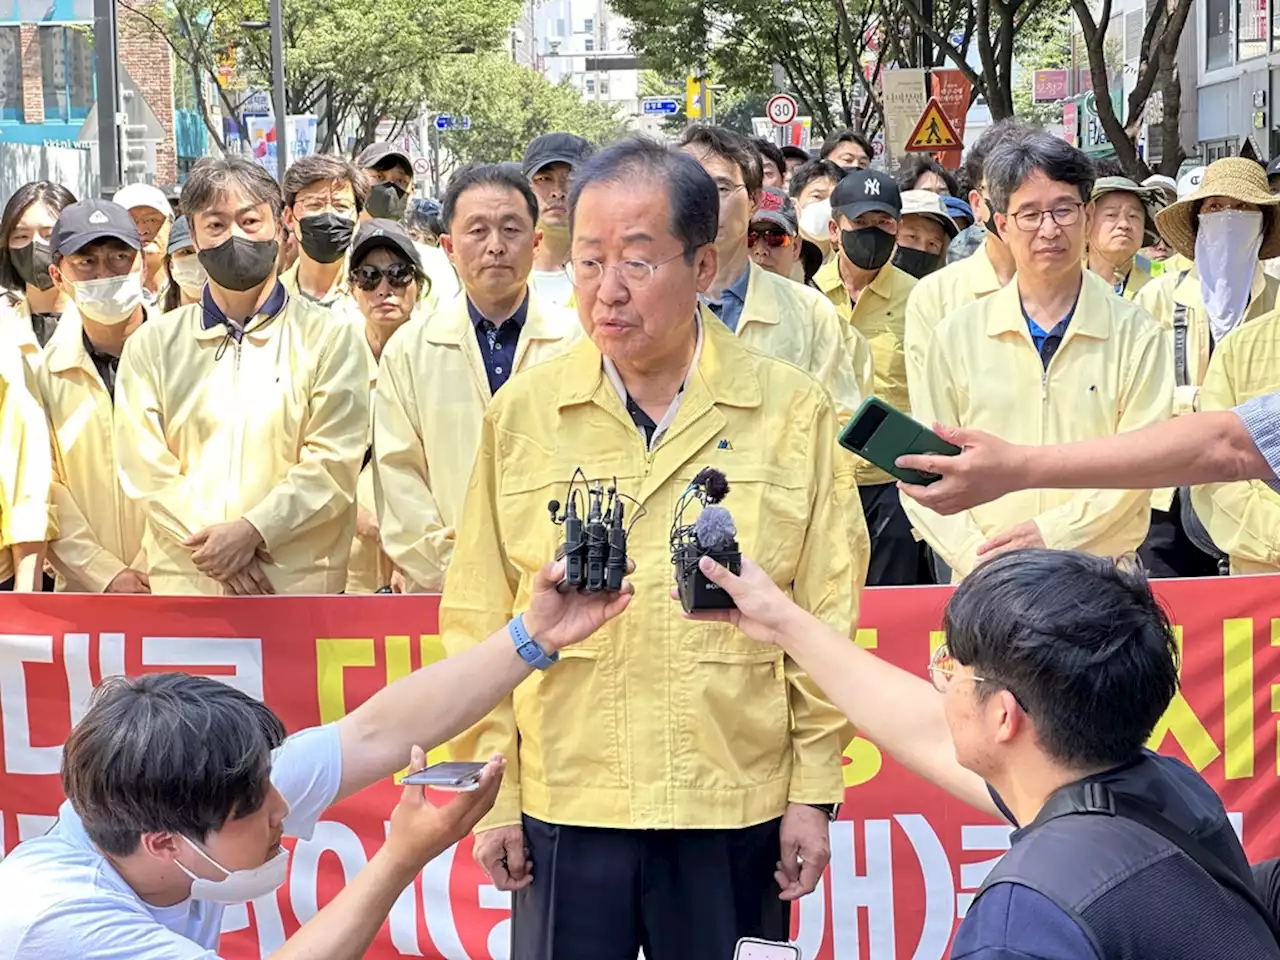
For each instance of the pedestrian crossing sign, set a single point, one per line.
(934, 131)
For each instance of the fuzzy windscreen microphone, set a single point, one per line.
(715, 530)
(713, 482)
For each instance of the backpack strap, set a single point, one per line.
(1180, 373)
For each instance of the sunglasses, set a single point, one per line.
(368, 277)
(770, 238)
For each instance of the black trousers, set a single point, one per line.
(1169, 552)
(677, 894)
(897, 558)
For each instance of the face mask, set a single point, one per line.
(990, 223)
(325, 236)
(814, 219)
(239, 886)
(918, 263)
(32, 264)
(109, 301)
(1227, 246)
(387, 200)
(189, 274)
(868, 248)
(240, 264)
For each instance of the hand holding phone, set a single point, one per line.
(881, 434)
(456, 775)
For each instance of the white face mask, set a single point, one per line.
(814, 219)
(110, 300)
(239, 886)
(189, 274)
(1227, 246)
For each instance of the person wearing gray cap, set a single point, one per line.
(549, 163)
(97, 261)
(391, 172)
(1123, 221)
(187, 275)
(925, 233)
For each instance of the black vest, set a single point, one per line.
(1135, 894)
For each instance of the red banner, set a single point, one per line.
(953, 92)
(906, 859)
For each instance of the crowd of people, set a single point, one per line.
(332, 387)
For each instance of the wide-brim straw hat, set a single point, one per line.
(1233, 177)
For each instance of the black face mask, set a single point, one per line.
(387, 200)
(990, 223)
(868, 248)
(240, 264)
(32, 264)
(918, 263)
(325, 236)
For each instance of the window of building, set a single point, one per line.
(588, 25)
(589, 45)
(560, 27)
(10, 74)
(66, 61)
(604, 86)
(1217, 22)
(589, 84)
(1251, 29)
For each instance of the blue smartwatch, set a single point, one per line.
(527, 647)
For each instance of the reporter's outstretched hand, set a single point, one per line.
(421, 831)
(763, 610)
(985, 469)
(556, 619)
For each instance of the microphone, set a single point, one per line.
(615, 567)
(715, 530)
(574, 548)
(596, 543)
(712, 534)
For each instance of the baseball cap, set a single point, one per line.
(776, 207)
(555, 148)
(1189, 182)
(179, 236)
(143, 195)
(384, 233)
(377, 155)
(958, 208)
(80, 224)
(867, 191)
(1273, 168)
(926, 203)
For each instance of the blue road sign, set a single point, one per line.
(444, 122)
(660, 106)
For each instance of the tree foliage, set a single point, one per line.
(1044, 45)
(509, 105)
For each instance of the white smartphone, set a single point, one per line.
(749, 948)
(458, 775)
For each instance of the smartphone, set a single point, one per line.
(749, 948)
(459, 775)
(881, 434)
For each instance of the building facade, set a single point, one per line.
(1238, 76)
(583, 42)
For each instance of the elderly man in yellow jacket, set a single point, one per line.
(98, 264)
(243, 418)
(768, 313)
(1243, 518)
(1055, 356)
(441, 370)
(671, 782)
(26, 520)
(1224, 229)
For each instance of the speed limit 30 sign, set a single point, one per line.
(781, 109)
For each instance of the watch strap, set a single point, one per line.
(527, 647)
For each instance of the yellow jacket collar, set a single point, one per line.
(1092, 316)
(829, 280)
(66, 347)
(451, 323)
(761, 303)
(723, 371)
(256, 327)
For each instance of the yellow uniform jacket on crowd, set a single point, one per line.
(16, 329)
(100, 529)
(655, 721)
(1113, 372)
(369, 569)
(340, 302)
(1243, 518)
(935, 298)
(783, 319)
(431, 397)
(26, 472)
(272, 428)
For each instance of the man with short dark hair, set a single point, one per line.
(847, 148)
(811, 187)
(1074, 361)
(774, 164)
(549, 162)
(324, 195)
(439, 373)
(180, 789)
(795, 157)
(243, 418)
(670, 789)
(768, 313)
(1055, 670)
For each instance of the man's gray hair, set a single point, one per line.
(1010, 164)
(694, 199)
(212, 177)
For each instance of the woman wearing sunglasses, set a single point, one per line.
(387, 282)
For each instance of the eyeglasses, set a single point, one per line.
(942, 673)
(770, 238)
(587, 272)
(1064, 215)
(368, 277)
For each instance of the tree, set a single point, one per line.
(1046, 45)
(1157, 73)
(509, 105)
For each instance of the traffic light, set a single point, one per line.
(694, 108)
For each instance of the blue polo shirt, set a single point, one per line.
(211, 314)
(732, 300)
(498, 341)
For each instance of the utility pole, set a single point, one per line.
(434, 133)
(926, 45)
(277, 88)
(108, 80)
